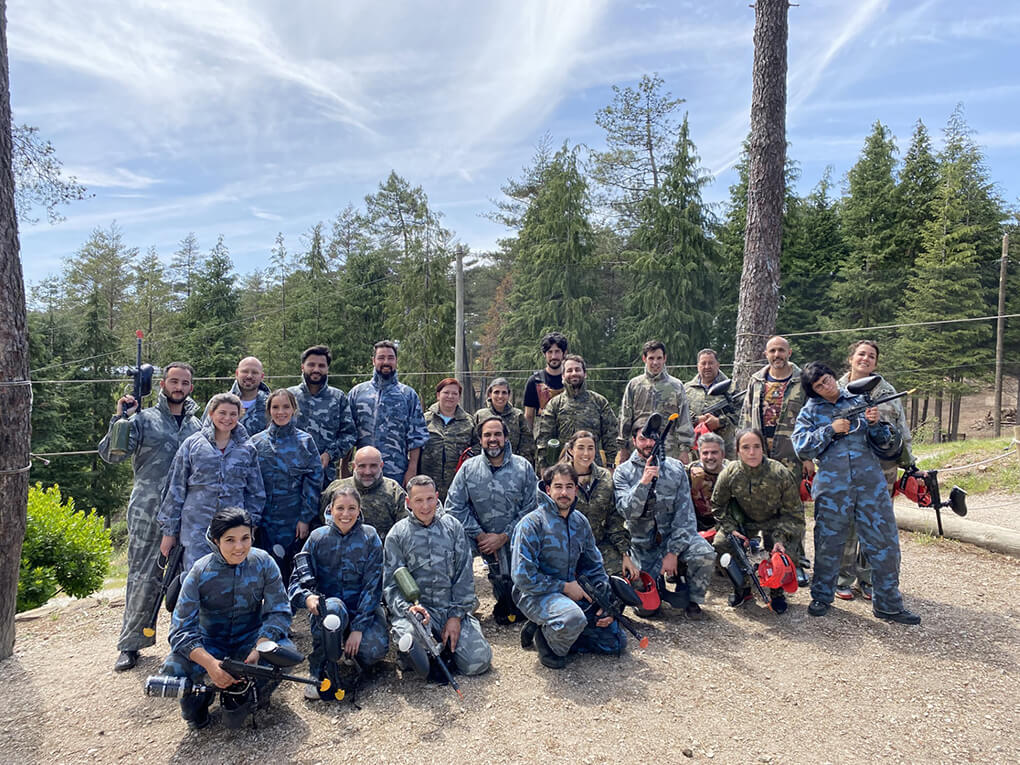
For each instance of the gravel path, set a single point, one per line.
(745, 686)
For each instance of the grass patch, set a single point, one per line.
(1002, 476)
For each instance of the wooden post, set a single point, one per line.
(458, 342)
(1000, 328)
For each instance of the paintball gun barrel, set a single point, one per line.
(141, 386)
(611, 599)
(743, 564)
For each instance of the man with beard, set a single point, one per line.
(656, 391)
(155, 434)
(548, 382)
(253, 392)
(703, 474)
(577, 409)
(663, 532)
(725, 423)
(324, 412)
(382, 499)
(489, 495)
(388, 415)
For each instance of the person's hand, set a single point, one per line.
(301, 532)
(872, 414)
(842, 425)
(220, 677)
(710, 421)
(421, 611)
(778, 547)
(630, 570)
(489, 544)
(312, 604)
(125, 403)
(411, 473)
(166, 544)
(451, 632)
(743, 540)
(651, 471)
(325, 459)
(604, 621)
(575, 592)
(669, 564)
(253, 657)
(353, 643)
(809, 468)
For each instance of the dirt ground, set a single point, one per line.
(743, 686)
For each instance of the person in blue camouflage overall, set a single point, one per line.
(663, 533)
(346, 558)
(231, 600)
(553, 547)
(324, 412)
(388, 416)
(436, 553)
(849, 484)
(156, 433)
(215, 468)
(489, 496)
(292, 476)
(252, 391)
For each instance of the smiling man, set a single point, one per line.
(253, 392)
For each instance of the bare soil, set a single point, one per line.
(744, 686)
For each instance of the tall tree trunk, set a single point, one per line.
(15, 395)
(924, 412)
(759, 281)
(937, 439)
(913, 412)
(954, 420)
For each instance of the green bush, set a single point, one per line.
(64, 550)
(119, 534)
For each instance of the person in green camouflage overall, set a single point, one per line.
(521, 438)
(854, 566)
(382, 499)
(577, 408)
(756, 495)
(774, 399)
(725, 423)
(656, 391)
(597, 502)
(451, 431)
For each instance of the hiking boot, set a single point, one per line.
(528, 634)
(127, 660)
(844, 593)
(818, 608)
(900, 617)
(546, 655)
(694, 612)
(778, 604)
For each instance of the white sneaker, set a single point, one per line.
(311, 693)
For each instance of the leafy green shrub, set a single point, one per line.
(64, 550)
(119, 534)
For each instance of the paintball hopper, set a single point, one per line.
(863, 386)
(778, 572)
(332, 627)
(720, 388)
(416, 654)
(273, 653)
(647, 593)
(958, 501)
(623, 590)
(652, 427)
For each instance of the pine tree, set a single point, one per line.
(185, 265)
(915, 194)
(103, 268)
(149, 310)
(671, 275)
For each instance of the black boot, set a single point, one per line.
(546, 655)
(740, 596)
(528, 634)
(195, 709)
(127, 660)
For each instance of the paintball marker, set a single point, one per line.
(141, 376)
(740, 570)
(651, 431)
(931, 496)
(277, 657)
(499, 575)
(170, 565)
(422, 648)
(863, 387)
(729, 404)
(332, 686)
(611, 599)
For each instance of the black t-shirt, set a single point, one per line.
(541, 387)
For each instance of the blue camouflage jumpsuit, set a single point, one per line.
(388, 415)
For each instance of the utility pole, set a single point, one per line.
(1000, 329)
(458, 344)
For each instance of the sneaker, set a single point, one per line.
(778, 604)
(844, 593)
(901, 617)
(311, 693)
(694, 612)
(546, 655)
(740, 598)
(818, 608)
(865, 589)
(127, 660)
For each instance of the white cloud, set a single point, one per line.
(113, 178)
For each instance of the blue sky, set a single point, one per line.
(248, 119)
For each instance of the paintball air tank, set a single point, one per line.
(552, 451)
(141, 376)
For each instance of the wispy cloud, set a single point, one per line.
(265, 214)
(113, 178)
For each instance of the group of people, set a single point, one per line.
(366, 483)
